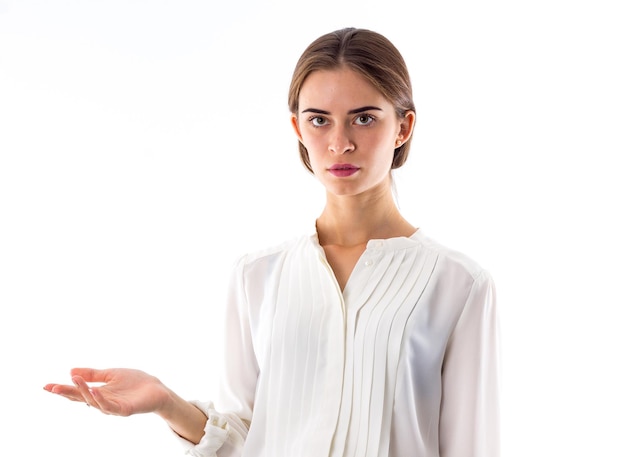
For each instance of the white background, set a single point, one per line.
(145, 145)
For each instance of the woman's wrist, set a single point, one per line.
(183, 417)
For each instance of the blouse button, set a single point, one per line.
(369, 263)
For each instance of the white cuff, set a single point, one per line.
(216, 432)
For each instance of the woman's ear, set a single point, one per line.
(296, 127)
(406, 127)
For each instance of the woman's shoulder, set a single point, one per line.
(449, 257)
(275, 250)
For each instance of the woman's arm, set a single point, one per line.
(470, 416)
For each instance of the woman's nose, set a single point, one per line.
(340, 141)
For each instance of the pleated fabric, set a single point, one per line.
(403, 362)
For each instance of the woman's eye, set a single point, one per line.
(364, 119)
(317, 121)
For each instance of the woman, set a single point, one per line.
(365, 338)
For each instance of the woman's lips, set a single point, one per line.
(343, 169)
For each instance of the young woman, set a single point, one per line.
(363, 338)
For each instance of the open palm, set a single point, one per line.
(119, 391)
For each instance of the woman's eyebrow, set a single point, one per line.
(352, 111)
(364, 108)
(315, 110)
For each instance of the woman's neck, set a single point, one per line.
(354, 220)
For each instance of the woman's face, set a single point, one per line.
(350, 131)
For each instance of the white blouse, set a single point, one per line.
(404, 362)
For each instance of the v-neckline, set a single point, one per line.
(379, 243)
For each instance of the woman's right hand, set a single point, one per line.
(121, 391)
(124, 391)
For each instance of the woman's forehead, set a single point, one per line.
(338, 87)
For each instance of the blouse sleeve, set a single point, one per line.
(226, 429)
(470, 417)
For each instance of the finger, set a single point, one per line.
(49, 387)
(69, 392)
(84, 390)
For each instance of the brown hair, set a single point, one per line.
(371, 55)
